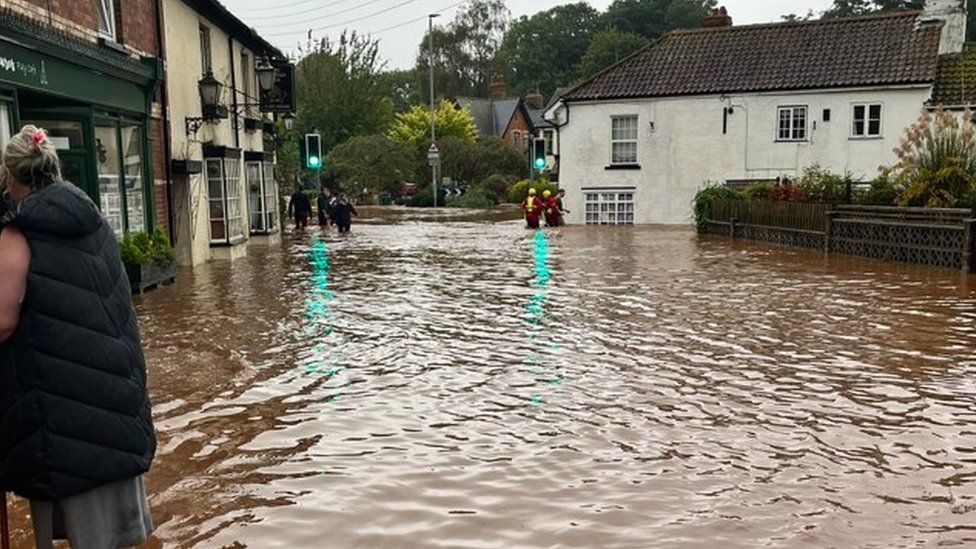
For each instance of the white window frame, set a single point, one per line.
(105, 9)
(234, 227)
(270, 197)
(793, 125)
(609, 206)
(866, 121)
(615, 140)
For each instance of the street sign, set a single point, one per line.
(433, 155)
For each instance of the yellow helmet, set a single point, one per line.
(546, 194)
(531, 192)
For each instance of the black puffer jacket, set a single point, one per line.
(74, 411)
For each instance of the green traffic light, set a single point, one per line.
(540, 163)
(313, 162)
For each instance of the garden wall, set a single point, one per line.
(922, 236)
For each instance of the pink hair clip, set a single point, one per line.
(38, 137)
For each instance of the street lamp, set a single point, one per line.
(289, 120)
(266, 75)
(433, 120)
(210, 89)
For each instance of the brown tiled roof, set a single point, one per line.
(830, 53)
(955, 85)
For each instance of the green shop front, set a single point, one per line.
(95, 102)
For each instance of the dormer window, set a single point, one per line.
(105, 14)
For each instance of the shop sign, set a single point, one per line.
(281, 97)
(34, 70)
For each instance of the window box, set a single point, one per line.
(186, 167)
(149, 276)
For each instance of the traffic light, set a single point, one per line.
(313, 151)
(539, 154)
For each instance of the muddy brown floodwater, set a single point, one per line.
(465, 384)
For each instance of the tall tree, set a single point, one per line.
(544, 51)
(413, 126)
(371, 164)
(609, 47)
(340, 90)
(652, 18)
(465, 50)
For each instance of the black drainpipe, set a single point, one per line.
(233, 92)
(167, 131)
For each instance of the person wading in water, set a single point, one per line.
(76, 432)
(300, 209)
(532, 207)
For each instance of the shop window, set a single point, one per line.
(109, 176)
(6, 125)
(609, 208)
(105, 14)
(224, 187)
(135, 189)
(120, 154)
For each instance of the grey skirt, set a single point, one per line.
(111, 516)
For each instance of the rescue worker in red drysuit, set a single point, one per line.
(532, 206)
(551, 208)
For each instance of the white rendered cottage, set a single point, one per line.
(730, 104)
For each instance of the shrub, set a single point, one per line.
(423, 199)
(936, 161)
(820, 185)
(706, 197)
(519, 191)
(881, 192)
(477, 197)
(758, 191)
(141, 248)
(497, 185)
(787, 193)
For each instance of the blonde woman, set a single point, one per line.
(76, 434)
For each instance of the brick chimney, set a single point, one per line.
(533, 100)
(496, 88)
(719, 17)
(951, 14)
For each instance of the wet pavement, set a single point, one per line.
(472, 384)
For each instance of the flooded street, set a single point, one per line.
(469, 384)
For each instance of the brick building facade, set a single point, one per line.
(88, 72)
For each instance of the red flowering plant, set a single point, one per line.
(787, 192)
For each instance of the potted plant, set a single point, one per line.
(149, 260)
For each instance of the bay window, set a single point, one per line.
(224, 190)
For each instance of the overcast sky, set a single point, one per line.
(400, 24)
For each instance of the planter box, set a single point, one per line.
(150, 276)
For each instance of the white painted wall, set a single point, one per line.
(686, 147)
(184, 70)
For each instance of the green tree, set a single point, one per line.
(371, 164)
(653, 18)
(465, 50)
(413, 126)
(609, 47)
(471, 162)
(405, 88)
(848, 8)
(340, 89)
(544, 51)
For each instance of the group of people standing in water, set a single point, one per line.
(548, 208)
(333, 210)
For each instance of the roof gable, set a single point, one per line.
(831, 53)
